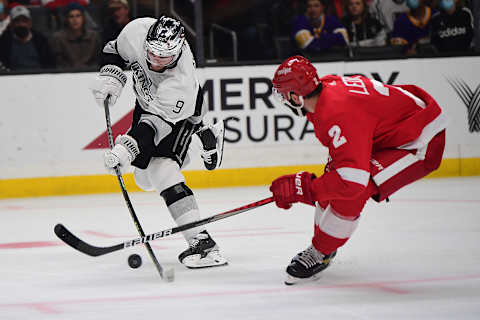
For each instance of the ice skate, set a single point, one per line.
(212, 137)
(307, 265)
(202, 253)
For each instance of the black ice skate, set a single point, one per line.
(203, 252)
(212, 137)
(307, 265)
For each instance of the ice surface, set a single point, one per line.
(417, 257)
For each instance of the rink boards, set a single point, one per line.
(54, 134)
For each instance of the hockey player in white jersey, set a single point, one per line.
(167, 122)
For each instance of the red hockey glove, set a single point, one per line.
(293, 188)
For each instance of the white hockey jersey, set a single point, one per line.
(170, 94)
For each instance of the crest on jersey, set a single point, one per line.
(141, 83)
(471, 99)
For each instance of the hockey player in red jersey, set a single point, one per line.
(380, 138)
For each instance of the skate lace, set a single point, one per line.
(199, 237)
(207, 155)
(310, 257)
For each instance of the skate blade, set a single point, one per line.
(206, 265)
(211, 260)
(291, 280)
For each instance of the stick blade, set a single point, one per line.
(66, 236)
(73, 241)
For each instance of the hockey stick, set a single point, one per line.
(167, 275)
(69, 238)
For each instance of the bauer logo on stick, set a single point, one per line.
(148, 238)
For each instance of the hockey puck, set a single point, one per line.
(134, 261)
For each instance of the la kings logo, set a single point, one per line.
(471, 99)
(141, 83)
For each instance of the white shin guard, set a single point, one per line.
(184, 211)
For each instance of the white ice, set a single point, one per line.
(416, 257)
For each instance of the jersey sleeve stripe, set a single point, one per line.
(417, 100)
(354, 175)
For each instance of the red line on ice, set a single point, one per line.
(32, 244)
(48, 306)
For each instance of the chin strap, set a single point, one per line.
(298, 110)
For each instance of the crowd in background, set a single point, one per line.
(63, 34)
(346, 28)
(60, 34)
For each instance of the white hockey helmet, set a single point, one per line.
(165, 38)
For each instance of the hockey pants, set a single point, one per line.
(336, 220)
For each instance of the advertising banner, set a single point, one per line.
(52, 127)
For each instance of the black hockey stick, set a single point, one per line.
(168, 274)
(69, 238)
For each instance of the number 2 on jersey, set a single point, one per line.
(334, 133)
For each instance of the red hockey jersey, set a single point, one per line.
(356, 117)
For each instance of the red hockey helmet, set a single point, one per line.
(295, 75)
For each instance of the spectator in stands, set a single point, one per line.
(413, 28)
(363, 29)
(75, 45)
(452, 27)
(386, 11)
(23, 48)
(4, 17)
(60, 4)
(118, 15)
(57, 9)
(316, 32)
(336, 8)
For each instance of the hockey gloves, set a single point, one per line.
(118, 156)
(123, 153)
(292, 188)
(110, 81)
